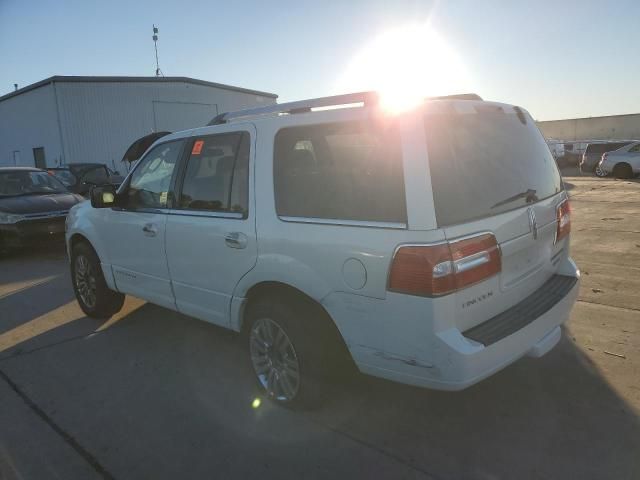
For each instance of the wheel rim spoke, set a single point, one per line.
(85, 281)
(274, 359)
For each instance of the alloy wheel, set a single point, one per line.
(274, 360)
(85, 277)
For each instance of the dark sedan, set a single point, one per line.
(33, 206)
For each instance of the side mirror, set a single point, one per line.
(103, 196)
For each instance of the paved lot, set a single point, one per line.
(153, 394)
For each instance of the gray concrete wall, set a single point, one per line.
(616, 127)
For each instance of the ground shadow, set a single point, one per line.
(48, 258)
(177, 396)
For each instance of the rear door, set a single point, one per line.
(492, 171)
(211, 232)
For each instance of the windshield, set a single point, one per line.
(485, 161)
(65, 176)
(25, 182)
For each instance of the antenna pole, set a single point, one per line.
(155, 44)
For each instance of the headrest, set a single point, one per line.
(298, 160)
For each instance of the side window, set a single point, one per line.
(635, 149)
(342, 171)
(150, 181)
(216, 178)
(97, 175)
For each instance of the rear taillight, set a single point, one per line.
(434, 270)
(563, 218)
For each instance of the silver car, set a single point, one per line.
(622, 163)
(593, 154)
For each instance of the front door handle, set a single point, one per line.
(150, 230)
(235, 240)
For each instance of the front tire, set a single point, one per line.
(95, 298)
(622, 170)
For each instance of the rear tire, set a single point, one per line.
(290, 349)
(95, 298)
(622, 170)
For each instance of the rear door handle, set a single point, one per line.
(150, 230)
(235, 240)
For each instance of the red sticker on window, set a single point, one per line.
(197, 147)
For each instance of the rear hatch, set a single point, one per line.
(492, 171)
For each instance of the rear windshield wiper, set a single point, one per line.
(529, 196)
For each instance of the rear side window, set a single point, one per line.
(486, 162)
(591, 148)
(342, 171)
(616, 146)
(600, 148)
(217, 174)
(97, 175)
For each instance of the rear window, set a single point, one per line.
(486, 162)
(595, 148)
(342, 171)
(65, 176)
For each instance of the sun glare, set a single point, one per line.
(405, 65)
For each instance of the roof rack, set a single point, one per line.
(459, 96)
(304, 106)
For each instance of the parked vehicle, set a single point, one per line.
(33, 207)
(572, 155)
(80, 177)
(430, 248)
(593, 154)
(621, 163)
(557, 150)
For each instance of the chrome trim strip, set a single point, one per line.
(472, 235)
(207, 214)
(471, 262)
(38, 216)
(346, 223)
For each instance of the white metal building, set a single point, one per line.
(65, 119)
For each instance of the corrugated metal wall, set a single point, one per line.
(617, 127)
(29, 121)
(100, 120)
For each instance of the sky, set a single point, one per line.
(558, 59)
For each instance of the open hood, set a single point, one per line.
(137, 148)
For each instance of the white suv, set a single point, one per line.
(429, 247)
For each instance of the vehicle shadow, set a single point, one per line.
(554, 417)
(177, 395)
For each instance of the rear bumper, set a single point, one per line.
(448, 360)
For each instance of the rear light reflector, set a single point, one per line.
(563, 218)
(434, 270)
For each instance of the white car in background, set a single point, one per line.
(429, 247)
(621, 163)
